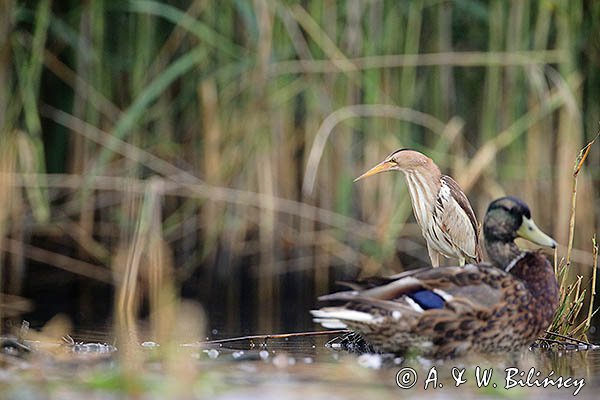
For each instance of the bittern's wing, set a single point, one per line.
(460, 222)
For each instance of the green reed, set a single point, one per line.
(221, 101)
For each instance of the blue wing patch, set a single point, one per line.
(427, 299)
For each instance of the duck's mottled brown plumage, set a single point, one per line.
(479, 308)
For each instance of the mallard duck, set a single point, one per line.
(441, 208)
(449, 311)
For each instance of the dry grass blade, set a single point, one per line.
(329, 47)
(117, 145)
(457, 58)
(571, 296)
(218, 193)
(591, 310)
(57, 260)
(581, 156)
(566, 341)
(360, 111)
(264, 338)
(487, 153)
(8, 166)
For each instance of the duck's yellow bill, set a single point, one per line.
(381, 167)
(529, 230)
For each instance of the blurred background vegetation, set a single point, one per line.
(206, 149)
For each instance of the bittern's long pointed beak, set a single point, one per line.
(529, 230)
(381, 167)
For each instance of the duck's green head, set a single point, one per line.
(508, 218)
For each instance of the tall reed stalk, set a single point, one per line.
(224, 104)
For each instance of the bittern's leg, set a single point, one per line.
(434, 256)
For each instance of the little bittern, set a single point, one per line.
(441, 208)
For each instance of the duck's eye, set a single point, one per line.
(516, 211)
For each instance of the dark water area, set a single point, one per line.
(231, 304)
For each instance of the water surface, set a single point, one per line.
(94, 364)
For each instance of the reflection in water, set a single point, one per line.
(282, 366)
(327, 368)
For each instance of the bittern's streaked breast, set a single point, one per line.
(441, 208)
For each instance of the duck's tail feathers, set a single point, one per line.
(334, 317)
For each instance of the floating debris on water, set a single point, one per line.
(372, 361)
(13, 347)
(69, 341)
(308, 360)
(351, 342)
(574, 344)
(263, 354)
(150, 345)
(280, 361)
(212, 353)
(237, 354)
(335, 346)
(93, 348)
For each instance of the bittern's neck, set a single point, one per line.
(424, 186)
